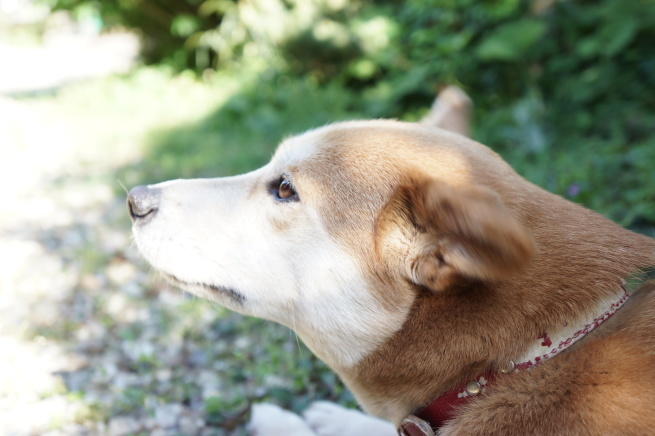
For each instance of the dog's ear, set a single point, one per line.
(451, 111)
(452, 234)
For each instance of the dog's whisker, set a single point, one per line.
(122, 186)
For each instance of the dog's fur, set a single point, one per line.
(413, 259)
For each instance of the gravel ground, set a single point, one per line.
(92, 342)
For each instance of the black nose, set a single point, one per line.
(143, 202)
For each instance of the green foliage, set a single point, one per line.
(563, 90)
(511, 41)
(131, 398)
(165, 25)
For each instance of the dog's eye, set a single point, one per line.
(285, 190)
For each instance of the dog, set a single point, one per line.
(452, 296)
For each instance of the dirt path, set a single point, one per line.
(92, 344)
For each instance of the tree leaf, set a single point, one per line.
(511, 41)
(616, 34)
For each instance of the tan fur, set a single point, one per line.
(458, 264)
(453, 336)
(600, 388)
(485, 317)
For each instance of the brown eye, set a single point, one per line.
(285, 191)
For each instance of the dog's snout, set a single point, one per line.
(142, 203)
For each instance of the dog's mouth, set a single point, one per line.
(228, 292)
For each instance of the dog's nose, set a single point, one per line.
(142, 202)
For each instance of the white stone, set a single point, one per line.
(166, 416)
(123, 425)
(189, 425)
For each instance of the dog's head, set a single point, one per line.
(340, 232)
(404, 255)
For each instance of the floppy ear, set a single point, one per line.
(457, 233)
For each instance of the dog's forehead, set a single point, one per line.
(348, 171)
(345, 158)
(299, 148)
(308, 148)
(345, 144)
(372, 150)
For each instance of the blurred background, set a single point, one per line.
(96, 96)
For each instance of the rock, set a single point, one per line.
(164, 375)
(69, 430)
(105, 369)
(76, 380)
(166, 416)
(189, 425)
(123, 380)
(275, 381)
(210, 384)
(92, 282)
(123, 425)
(213, 431)
(163, 432)
(243, 343)
(171, 356)
(134, 350)
(198, 358)
(121, 272)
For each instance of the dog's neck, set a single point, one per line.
(547, 346)
(543, 346)
(456, 335)
(556, 339)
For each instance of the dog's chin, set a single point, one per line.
(220, 294)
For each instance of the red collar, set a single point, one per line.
(444, 408)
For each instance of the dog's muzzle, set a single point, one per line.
(143, 203)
